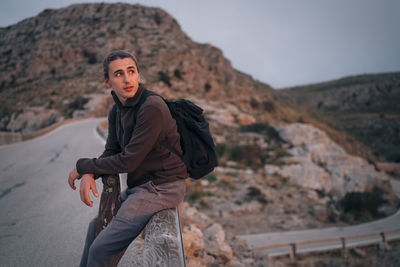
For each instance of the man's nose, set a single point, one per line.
(126, 78)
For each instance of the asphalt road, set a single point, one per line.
(43, 221)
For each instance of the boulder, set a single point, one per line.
(193, 241)
(204, 240)
(321, 164)
(192, 216)
(216, 244)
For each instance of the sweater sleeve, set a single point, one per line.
(144, 137)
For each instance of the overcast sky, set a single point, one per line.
(282, 42)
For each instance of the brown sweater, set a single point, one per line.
(135, 147)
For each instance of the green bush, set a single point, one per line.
(194, 193)
(361, 204)
(268, 106)
(254, 193)
(265, 129)
(276, 156)
(77, 104)
(249, 155)
(162, 76)
(221, 149)
(210, 177)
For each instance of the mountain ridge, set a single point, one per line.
(364, 106)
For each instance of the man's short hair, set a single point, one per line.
(117, 54)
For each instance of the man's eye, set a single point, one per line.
(131, 71)
(118, 74)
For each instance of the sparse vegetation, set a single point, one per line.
(268, 106)
(211, 177)
(194, 192)
(253, 155)
(164, 78)
(207, 87)
(248, 155)
(254, 193)
(359, 205)
(227, 182)
(77, 104)
(263, 128)
(177, 74)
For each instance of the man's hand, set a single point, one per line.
(87, 184)
(73, 175)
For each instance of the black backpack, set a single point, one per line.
(197, 144)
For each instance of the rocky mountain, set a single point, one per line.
(51, 70)
(53, 61)
(366, 107)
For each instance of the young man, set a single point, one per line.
(156, 177)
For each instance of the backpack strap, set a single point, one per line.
(171, 148)
(143, 98)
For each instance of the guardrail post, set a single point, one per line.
(344, 249)
(293, 251)
(383, 235)
(383, 245)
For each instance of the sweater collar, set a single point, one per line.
(130, 102)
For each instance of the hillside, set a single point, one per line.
(51, 70)
(365, 107)
(51, 64)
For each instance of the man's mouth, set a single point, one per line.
(128, 89)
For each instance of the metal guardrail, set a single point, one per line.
(293, 246)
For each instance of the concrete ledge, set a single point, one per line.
(160, 243)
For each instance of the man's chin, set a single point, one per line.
(129, 93)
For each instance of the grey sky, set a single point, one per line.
(283, 42)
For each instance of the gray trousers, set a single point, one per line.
(138, 206)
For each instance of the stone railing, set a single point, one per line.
(160, 243)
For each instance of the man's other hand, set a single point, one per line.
(87, 184)
(73, 175)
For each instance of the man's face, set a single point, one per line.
(123, 78)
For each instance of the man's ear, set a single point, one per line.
(107, 83)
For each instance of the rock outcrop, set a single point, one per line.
(318, 163)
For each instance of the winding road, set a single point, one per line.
(272, 244)
(43, 222)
